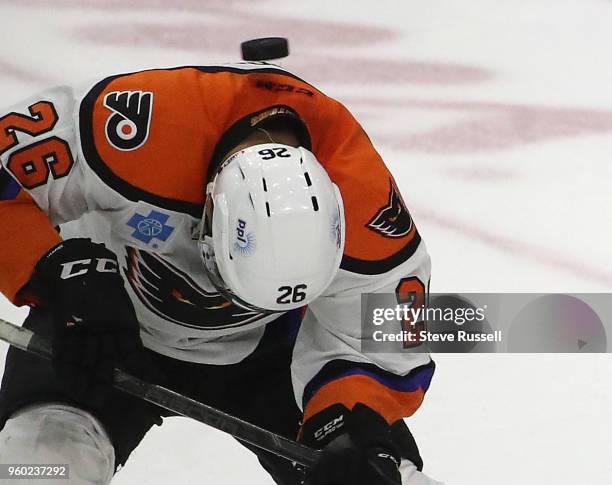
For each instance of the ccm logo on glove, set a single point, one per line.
(329, 427)
(82, 266)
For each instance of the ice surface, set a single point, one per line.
(496, 118)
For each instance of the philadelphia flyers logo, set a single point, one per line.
(128, 127)
(393, 219)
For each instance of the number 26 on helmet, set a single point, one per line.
(272, 235)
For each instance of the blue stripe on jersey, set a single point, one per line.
(418, 378)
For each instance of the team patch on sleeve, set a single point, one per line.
(128, 126)
(380, 231)
(393, 219)
(144, 137)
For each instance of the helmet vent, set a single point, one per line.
(251, 199)
(242, 173)
(307, 177)
(265, 187)
(315, 203)
(268, 209)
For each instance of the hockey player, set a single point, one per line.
(219, 225)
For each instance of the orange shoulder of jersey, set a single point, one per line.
(142, 133)
(152, 135)
(380, 233)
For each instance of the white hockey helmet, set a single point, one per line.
(272, 233)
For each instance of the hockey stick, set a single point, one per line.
(28, 341)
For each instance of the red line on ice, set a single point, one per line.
(517, 248)
(13, 71)
(487, 126)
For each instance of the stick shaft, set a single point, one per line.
(28, 341)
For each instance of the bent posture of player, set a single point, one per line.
(218, 226)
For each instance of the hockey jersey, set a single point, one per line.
(125, 162)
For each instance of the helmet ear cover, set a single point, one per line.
(297, 244)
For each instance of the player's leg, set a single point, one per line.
(53, 433)
(258, 389)
(262, 393)
(266, 379)
(40, 423)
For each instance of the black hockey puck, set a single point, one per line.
(265, 49)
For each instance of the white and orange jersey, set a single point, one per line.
(125, 162)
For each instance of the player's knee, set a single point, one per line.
(58, 434)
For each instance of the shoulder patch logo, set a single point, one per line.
(392, 220)
(128, 127)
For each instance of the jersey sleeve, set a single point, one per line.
(41, 184)
(383, 254)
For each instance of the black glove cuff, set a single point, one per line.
(366, 428)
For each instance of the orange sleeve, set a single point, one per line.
(392, 396)
(391, 405)
(380, 233)
(380, 236)
(26, 234)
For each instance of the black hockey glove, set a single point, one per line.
(94, 323)
(357, 448)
